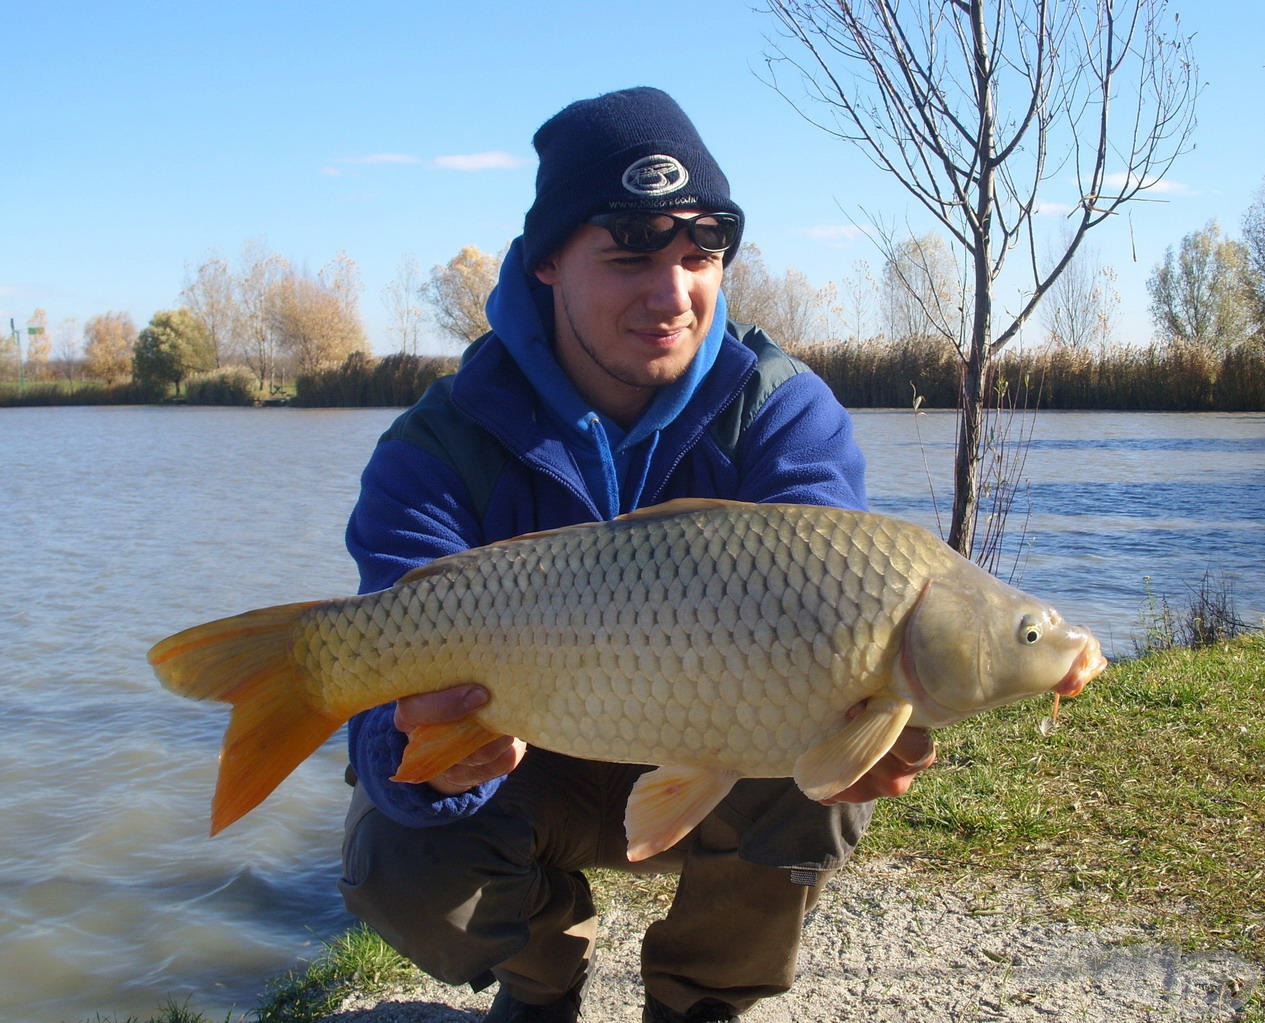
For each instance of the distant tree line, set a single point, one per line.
(243, 333)
(238, 333)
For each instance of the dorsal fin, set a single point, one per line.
(679, 506)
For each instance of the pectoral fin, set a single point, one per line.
(432, 749)
(833, 765)
(667, 802)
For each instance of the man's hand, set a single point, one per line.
(913, 751)
(495, 758)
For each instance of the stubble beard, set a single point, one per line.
(623, 377)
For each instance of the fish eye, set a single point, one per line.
(1030, 631)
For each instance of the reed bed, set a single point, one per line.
(862, 374)
(894, 374)
(362, 382)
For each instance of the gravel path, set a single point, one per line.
(881, 947)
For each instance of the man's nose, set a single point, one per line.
(669, 291)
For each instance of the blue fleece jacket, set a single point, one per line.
(559, 462)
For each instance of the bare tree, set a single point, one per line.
(341, 278)
(922, 295)
(858, 301)
(402, 298)
(788, 307)
(66, 357)
(211, 293)
(1081, 306)
(975, 107)
(261, 272)
(748, 286)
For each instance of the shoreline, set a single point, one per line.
(886, 944)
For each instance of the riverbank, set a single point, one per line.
(1105, 870)
(863, 374)
(886, 945)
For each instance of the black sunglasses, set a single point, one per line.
(650, 231)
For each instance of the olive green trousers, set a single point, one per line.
(502, 894)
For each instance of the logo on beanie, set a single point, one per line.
(655, 175)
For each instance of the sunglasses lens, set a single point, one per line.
(714, 233)
(641, 232)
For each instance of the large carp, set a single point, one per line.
(715, 639)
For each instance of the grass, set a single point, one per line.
(1146, 802)
(1145, 805)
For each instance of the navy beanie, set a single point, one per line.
(628, 150)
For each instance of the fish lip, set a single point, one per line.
(1088, 664)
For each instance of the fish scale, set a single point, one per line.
(715, 639)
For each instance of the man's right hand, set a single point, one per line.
(495, 758)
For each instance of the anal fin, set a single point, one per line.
(434, 748)
(831, 766)
(667, 802)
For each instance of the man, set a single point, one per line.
(611, 380)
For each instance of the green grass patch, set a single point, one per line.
(356, 960)
(1147, 802)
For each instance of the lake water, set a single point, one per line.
(118, 526)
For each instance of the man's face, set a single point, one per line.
(629, 322)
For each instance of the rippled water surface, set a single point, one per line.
(118, 526)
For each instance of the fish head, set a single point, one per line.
(972, 643)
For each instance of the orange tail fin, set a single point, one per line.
(246, 661)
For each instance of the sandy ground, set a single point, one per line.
(881, 947)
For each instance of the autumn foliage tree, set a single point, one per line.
(458, 292)
(1202, 292)
(1254, 248)
(39, 347)
(314, 324)
(787, 306)
(109, 339)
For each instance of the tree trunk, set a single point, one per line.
(970, 452)
(972, 410)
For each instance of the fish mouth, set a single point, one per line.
(1088, 665)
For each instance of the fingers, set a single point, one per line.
(491, 760)
(496, 758)
(438, 707)
(913, 751)
(915, 748)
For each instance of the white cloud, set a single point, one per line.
(1052, 209)
(1118, 181)
(492, 160)
(381, 158)
(834, 234)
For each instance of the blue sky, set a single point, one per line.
(142, 137)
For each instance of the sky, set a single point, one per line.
(142, 138)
